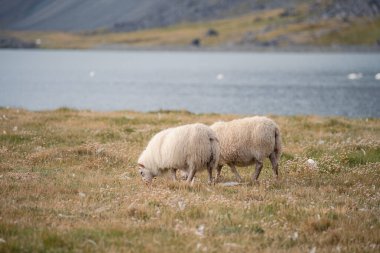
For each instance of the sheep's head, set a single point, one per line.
(146, 175)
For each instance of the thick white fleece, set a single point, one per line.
(186, 147)
(244, 141)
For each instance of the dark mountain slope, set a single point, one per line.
(233, 23)
(120, 15)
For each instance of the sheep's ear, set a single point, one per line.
(141, 165)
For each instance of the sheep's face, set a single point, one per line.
(146, 175)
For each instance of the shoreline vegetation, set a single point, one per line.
(69, 182)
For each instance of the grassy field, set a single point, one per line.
(269, 26)
(69, 183)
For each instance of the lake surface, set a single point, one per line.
(201, 82)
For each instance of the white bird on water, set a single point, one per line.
(220, 77)
(92, 73)
(377, 76)
(355, 76)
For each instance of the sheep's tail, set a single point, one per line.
(277, 144)
(215, 152)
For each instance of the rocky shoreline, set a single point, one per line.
(11, 42)
(242, 48)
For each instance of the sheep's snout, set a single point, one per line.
(146, 176)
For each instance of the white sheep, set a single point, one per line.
(190, 148)
(248, 141)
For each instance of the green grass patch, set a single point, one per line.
(286, 156)
(125, 121)
(337, 124)
(314, 152)
(363, 156)
(66, 109)
(224, 229)
(358, 32)
(107, 136)
(185, 112)
(270, 209)
(195, 213)
(230, 191)
(256, 229)
(14, 139)
(34, 239)
(121, 121)
(332, 215)
(129, 130)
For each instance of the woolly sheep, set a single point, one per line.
(248, 141)
(190, 148)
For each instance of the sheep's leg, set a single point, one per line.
(209, 170)
(259, 166)
(173, 174)
(274, 162)
(191, 174)
(238, 177)
(218, 170)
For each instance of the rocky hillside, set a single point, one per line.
(117, 15)
(349, 8)
(223, 24)
(132, 15)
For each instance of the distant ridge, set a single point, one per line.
(132, 15)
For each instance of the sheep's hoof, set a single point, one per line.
(212, 182)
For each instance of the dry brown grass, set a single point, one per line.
(68, 183)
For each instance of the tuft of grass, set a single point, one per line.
(107, 136)
(194, 213)
(14, 139)
(138, 214)
(319, 225)
(129, 130)
(256, 229)
(66, 109)
(336, 125)
(314, 152)
(185, 112)
(286, 156)
(120, 121)
(363, 156)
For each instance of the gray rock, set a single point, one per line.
(269, 43)
(10, 42)
(288, 12)
(212, 32)
(196, 42)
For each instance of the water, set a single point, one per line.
(201, 82)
